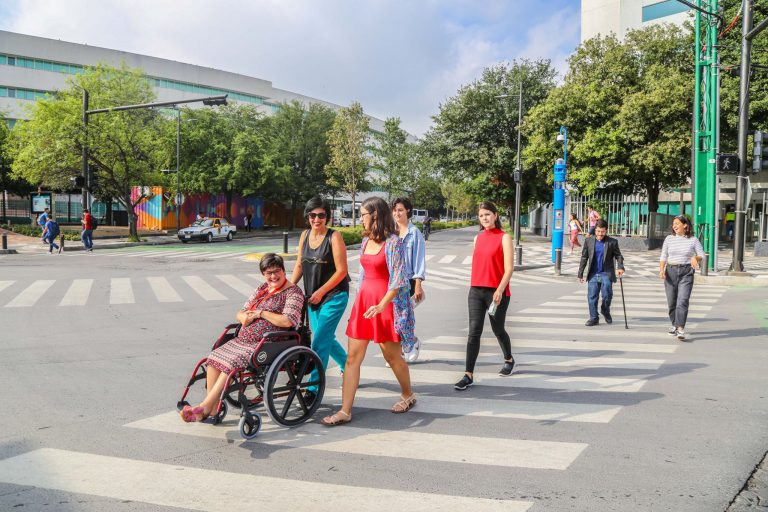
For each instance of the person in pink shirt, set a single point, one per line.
(592, 218)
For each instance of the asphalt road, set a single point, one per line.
(97, 348)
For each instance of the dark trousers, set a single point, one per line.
(678, 283)
(479, 301)
(599, 284)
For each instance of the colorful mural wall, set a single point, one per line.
(158, 211)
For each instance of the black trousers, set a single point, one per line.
(678, 284)
(479, 300)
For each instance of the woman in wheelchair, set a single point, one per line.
(275, 305)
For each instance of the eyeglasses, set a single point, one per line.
(321, 216)
(364, 214)
(270, 273)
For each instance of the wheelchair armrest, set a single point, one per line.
(232, 326)
(280, 336)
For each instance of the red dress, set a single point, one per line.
(375, 285)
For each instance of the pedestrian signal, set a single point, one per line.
(727, 163)
(760, 152)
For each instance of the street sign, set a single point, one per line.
(727, 163)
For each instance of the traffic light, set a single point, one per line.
(760, 152)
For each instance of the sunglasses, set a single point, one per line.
(321, 216)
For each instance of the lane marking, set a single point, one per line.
(31, 294)
(237, 284)
(169, 485)
(5, 284)
(467, 260)
(121, 291)
(447, 259)
(163, 290)
(662, 323)
(634, 312)
(78, 292)
(203, 289)
(650, 305)
(428, 257)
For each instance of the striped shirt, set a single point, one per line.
(678, 250)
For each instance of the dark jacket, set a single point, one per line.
(610, 253)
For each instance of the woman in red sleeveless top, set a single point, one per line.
(492, 265)
(382, 309)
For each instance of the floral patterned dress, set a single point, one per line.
(238, 351)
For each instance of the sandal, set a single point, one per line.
(404, 405)
(193, 414)
(337, 418)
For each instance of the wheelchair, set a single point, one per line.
(277, 377)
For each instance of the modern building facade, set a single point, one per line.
(619, 16)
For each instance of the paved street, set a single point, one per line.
(97, 348)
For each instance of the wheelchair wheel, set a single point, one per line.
(222, 413)
(287, 398)
(249, 425)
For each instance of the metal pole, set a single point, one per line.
(558, 261)
(285, 242)
(705, 264)
(84, 200)
(5, 241)
(737, 263)
(178, 180)
(519, 176)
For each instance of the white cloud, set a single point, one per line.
(397, 57)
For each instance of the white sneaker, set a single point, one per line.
(413, 355)
(681, 335)
(672, 331)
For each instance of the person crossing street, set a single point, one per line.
(597, 259)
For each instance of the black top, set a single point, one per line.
(317, 266)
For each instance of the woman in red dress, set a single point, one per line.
(382, 308)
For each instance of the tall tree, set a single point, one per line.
(7, 182)
(126, 149)
(300, 151)
(223, 151)
(348, 142)
(627, 106)
(391, 158)
(474, 136)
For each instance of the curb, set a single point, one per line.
(256, 256)
(8, 251)
(749, 280)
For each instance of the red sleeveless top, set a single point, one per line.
(488, 260)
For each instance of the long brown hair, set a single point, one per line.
(487, 205)
(382, 222)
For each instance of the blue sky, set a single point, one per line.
(397, 57)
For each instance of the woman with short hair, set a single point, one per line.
(681, 255)
(382, 312)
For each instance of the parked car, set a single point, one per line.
(208, 230)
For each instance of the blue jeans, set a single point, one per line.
(600, 282)
(324, 321)
(87, 238)
(51, 241)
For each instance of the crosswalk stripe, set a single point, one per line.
(651, 296)
(77, 293)
(452, 275)
(428, 257)
(229, 255)
(447, 258)
(545, 360)
(5, 284)
(163, 290)
(145, 254)
(237, 284)
(635, 312)
(519, 380)
(467, 260)
(649, 305)
(353, 257)
(121, 291)
(534, 277)
(203, 289)
(432, 283)
(169, 485)
(407, 444)
(31, 294)
(663, 322)
(589, 346)
(485, 408)
(258, 277)
(463, 271)
(192, 254)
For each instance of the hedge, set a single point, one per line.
(37, 231)
(355, 235)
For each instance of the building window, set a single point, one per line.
(662, 10)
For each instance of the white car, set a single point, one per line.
(208, 230)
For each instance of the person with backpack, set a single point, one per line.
(50, 232)
(88, 223)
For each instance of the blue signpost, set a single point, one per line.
(558, 203)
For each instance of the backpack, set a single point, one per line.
(54, 228)
(94, 224)
(42, 219)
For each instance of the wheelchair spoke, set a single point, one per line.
(288, 402)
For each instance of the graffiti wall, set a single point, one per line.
(158, 211)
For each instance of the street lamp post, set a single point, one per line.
(178, 179)
(558, 203)
(518, 175)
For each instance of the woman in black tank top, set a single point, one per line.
(322, 266)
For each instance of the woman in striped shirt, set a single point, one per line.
(680, 257)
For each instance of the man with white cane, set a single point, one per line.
(597, 258)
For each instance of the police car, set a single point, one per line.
(208, 230)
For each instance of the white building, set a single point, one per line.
(619, 16)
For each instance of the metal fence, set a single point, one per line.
(626, 215)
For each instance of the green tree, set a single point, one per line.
(348, 142)
(425, 180)
(126, 149)
(299, 151)
(7, 182)
(392, 159)
(627, 105)
(474, 136)
(224, 151)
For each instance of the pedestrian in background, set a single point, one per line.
(87, 235)
(41, 220)
(730, 221)
(681, 255)
(493, 261)
(382, 308)
(415, 265)
(427, 227)
(592, 217)
(322, 264)
(50, 231)
(597, 258)
(576, 228)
